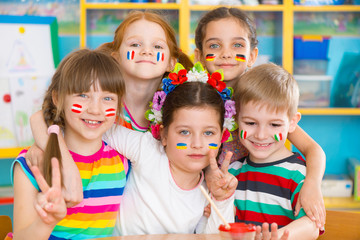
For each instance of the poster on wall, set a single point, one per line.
(29, 56)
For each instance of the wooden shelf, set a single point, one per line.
(168, 6)
(341, 203)
(257, 8)
(10, 152)
(330, 111)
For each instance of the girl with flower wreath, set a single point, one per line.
(234, 49)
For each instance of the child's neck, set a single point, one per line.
(81, 147)
(280, 154)
(185, 180)
(138, 95)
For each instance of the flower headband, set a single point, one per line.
(197, 74)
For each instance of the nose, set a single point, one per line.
(94, 106)
(226, 53)
(146, 50)
(261, 133)
(196, 141)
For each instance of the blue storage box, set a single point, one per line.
(319, 2)
(311, 47)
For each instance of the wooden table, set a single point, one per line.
(167, 237)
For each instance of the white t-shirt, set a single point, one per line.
(152, 202)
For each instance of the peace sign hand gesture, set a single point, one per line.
(50, 204)
(220, 182)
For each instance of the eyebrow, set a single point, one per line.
(216, 39)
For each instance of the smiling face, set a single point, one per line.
(226, 48)
(263, 131)
(188, 142)
(89, 115)
(144, 52)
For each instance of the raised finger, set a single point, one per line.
(212, 159)
(226, 162)
(40, 179)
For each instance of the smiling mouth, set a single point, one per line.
(91, 122)
(146, 61)
(261, 145)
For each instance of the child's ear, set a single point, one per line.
(253, 57)
(163, 138)
(171, 64)
(294, 121)
(198, 56)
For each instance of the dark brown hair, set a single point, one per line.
(175, 51)
(222, 13)
(192, 95)
(76, 73)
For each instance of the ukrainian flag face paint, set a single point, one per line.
(181, 146)
(213, 146)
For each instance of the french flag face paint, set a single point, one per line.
(76, 108)
(243, 134)
(181, 146)
(210, 57)
(110, 112)
(213, 146)
(240, 58)
(160, 56)
(130, 55)
(278, 137)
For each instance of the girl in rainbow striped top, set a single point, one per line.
(83, 100)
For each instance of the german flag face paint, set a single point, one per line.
(110, 112)
(160, 56)
(76, 108)
(240, 58)
(210, 57)
(278, 137)
(181, 146)
(243, 134)
(130, 55)
(213, 146)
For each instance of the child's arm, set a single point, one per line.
(303, 228)
(310, 196)
(37, 213)
(72, 191)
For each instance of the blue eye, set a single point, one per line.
(184, 132)
(238, 45)
(108, 98)
(208, 133)
(83, 95)
(214, 45)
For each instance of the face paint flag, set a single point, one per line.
(181, 146)
(160, 56)
(243, 134)
(240, 58)
(110, 112)
(278, 137)
(130, 55)
(213, 146)
(76, 108)
(210, 57)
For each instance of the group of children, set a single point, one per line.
(98, 178)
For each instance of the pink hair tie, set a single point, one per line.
(53, 129)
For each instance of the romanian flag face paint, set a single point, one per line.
(243, 134)
(210, 57)
(240, 58)
(278, 137)
(181, 146)
(130, 55)
(110, 112)
(213, 146)
(160, 56)
(76, 108)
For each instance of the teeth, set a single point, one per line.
(262, 145)
(91, 122)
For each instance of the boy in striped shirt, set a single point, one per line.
(270, 178)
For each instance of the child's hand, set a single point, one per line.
(207, 210)
(262, 233)
(35, 156)
(220, 182)
(50, 204)
(311, 200)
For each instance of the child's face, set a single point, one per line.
(226, 46)
(144, 52)
(263, 132)
(188, 139)
(89, 115)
